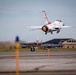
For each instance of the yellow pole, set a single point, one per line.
(48, 53)
(17, 55)
(10, 53)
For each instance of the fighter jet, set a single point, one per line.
(50, 27)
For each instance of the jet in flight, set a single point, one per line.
(50, 27)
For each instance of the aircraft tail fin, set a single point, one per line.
(46, 21)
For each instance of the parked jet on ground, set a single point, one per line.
(49, 27)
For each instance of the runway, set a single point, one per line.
(70, 54)
(59, 63)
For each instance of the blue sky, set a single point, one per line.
(15, 15)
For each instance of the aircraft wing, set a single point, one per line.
(35, 27)
(66, 26)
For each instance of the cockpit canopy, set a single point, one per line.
(59, 20)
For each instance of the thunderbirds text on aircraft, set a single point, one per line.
(49, 27)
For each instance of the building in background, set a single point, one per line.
(71, 43)
(60, 42)
(54, 43)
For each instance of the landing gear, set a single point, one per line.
(45, 33)
(58, 30)
(51, 32)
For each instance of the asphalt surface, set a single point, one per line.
(42, 73)
(39, 63)
(70, 54)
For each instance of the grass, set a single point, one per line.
(39, 50)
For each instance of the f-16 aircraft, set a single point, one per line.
(50, 27)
